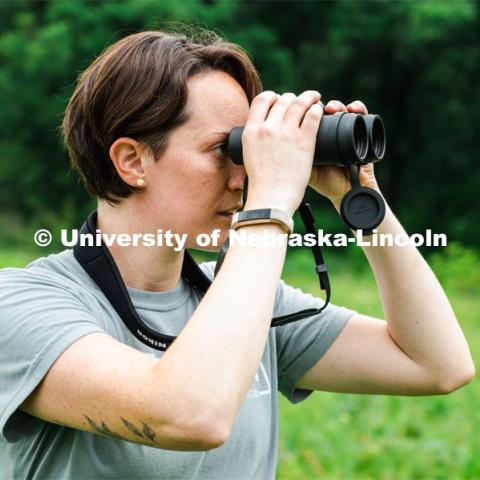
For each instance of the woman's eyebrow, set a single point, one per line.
(221, 132)
(212, 137)
(216, 134)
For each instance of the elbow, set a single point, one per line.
(192, 435)
(202, 429)
(451, 383)
(190, 420)
(207, 433)
(214, 436)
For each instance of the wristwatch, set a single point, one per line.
(262, 215)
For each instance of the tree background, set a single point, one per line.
(414, 63)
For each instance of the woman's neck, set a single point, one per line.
(150, 268)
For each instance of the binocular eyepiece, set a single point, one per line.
(342, 139)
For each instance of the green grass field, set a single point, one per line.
(382, 437)
(338, 436)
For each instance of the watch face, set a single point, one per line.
(264, 215)
(255, 214)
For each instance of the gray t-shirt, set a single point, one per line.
(51, 303)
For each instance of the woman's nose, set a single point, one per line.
(237, 176)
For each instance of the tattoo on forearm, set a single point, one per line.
(146, 433)
(102, 428)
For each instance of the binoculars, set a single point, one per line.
(342, 139)
(346, 140)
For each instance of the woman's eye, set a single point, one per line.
(221, 150)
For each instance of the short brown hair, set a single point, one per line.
(137, 88)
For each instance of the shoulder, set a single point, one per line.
(44, 297)
(56, 272)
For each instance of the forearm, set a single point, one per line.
(214, 360)
(418, 313)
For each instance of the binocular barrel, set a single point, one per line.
(342, 139)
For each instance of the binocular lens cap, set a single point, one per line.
(362, 208)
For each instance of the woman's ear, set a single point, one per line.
(126, 155)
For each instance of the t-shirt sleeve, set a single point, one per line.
(40, 317)
(301, 344)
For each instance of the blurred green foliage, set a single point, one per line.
(458, 266)
(415, 63)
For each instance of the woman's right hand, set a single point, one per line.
(278, 147)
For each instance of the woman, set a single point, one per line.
(146, 129)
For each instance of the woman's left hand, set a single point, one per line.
(334, 182)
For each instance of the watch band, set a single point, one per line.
(262, 215)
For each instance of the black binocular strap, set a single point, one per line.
(100, 265)
(320, 269)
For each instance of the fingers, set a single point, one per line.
(277, 112)
(291, 109)
(311, 120)
(299, 106)
(334, 106)
(278, 108)
(357, 107)
(260, 107)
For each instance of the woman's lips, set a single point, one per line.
(226, 216)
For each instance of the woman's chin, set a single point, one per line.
(208, 248)
(211, 239)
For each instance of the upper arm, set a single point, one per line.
(103, 386)
(364, 358)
